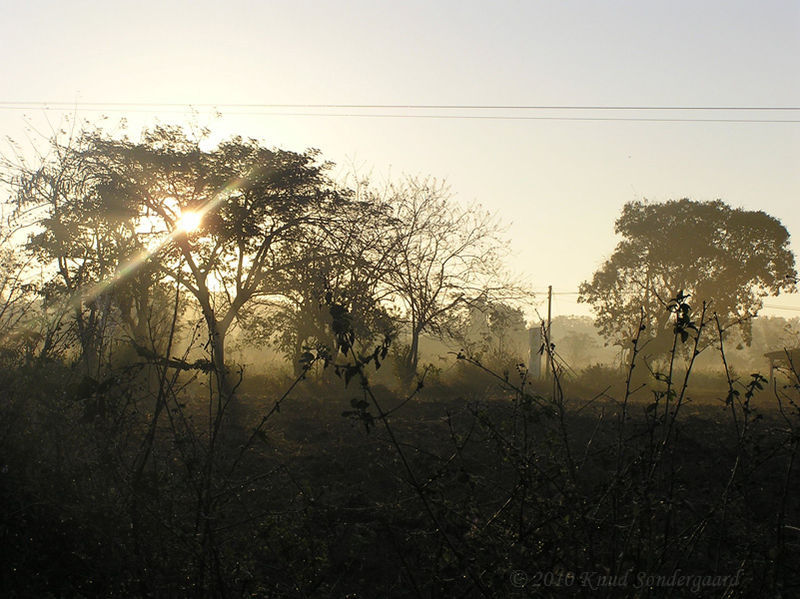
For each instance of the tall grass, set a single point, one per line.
(152, 482)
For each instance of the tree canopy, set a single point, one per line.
(248, 236)
(113, 209)
(254, 211)
(728, 257)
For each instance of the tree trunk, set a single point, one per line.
(216, 337)
(87, 336)
(414, 352)
(412, 360)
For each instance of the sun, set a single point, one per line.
(188, 222)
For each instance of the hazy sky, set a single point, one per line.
(560, 184)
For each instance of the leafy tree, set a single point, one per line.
(250, 209)
(578, 343)
(343, 266)
(80, 237)
(495, 333)
(86, 243)
(729, 258)
(17, 298)
(768, 334)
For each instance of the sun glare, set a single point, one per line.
(188, 222)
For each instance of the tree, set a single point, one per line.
(729, 258)
(17, 298)
(445, 257)
(769, 334)
(578, 343)
(495, 333)
(342, 266)
(232, 220)
(80, 238)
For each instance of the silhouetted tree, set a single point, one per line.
(17, 299)
(578, 343)
(80, 237)
(769, 334)
(445, 256)
(253, 208)
(730, 258)
(495, 333)
(343, 266)
(89, 246)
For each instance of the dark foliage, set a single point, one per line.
(430, 497)
(713, 252)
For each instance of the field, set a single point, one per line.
(462, 488)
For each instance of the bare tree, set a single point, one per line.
(445, 257)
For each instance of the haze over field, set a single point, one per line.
(357, 77)
(266, 321)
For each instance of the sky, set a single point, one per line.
(557, 184)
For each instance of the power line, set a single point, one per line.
(176, 109)
(401, 106)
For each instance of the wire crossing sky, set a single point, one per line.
(498, 117)
(552, 115)
(83, 104)
(444, 111)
